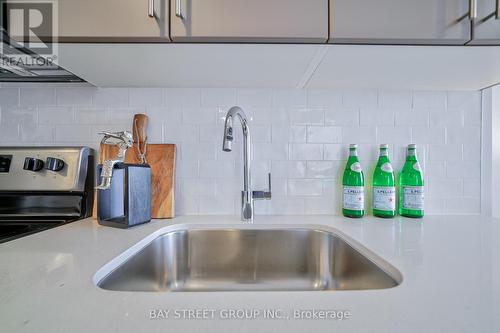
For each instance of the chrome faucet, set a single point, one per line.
(247, 195)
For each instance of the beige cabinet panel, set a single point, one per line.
(113, 20)
(486, 30)
(108, 21)
(400, 22)
(249, 21)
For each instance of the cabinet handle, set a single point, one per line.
(178, 9)
(497, 11)
(472, 9)
(151, 8)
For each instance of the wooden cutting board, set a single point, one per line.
(161, 159)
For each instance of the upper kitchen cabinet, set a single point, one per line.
(88, 20)
(431, 22)
(486, 29)
(113, 20)
(294, 21)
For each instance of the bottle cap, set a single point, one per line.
(412, 146)
(384, 146)
(353, 146)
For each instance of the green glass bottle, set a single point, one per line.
(411, 185)
(353, 196)
(384, 191)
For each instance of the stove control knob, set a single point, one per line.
(54, 164)
(32, 164)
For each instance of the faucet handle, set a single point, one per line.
(264, 195)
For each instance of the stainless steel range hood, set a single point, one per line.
(20, 64)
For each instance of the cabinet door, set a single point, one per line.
(486, 30)
(249, 20)
(97, 20)
(400, 21)
(113, 20)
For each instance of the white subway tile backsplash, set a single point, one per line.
(200, 115)
(9, 96)
(359, 134)
(335, 152)
(113, 97)
(321, 205)
(395, 99)
(463, 135)
(218, 97)
(471, 152)
(445, 152)
(289, 98)
(266, 116)
(73, 133)
(463, 169)
(412, 117)
(199, 151)
(324, 134)
(55, 115)
(217, 169)
(285, 133)
(300, 136)
(183, 97)
(74, 95)
(445, 188)
(306, 152)
(269, 151)
(464, 100)
(36, 133)
(90, 115)
(122, 115)
(146, 97)
(288, 169)
(376, 116)
(463, 205)
(422, 134)
(37, 96)
(307, 117)
(451, 118)
(324, 98)
(342, 117)
(322, 169)
(360, 98)
(386, 134)
(254, 97)
(13, 115)
(429, 99)
(304, 187)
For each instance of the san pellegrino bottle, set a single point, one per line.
(411, 185)
(384, 191)
(353, 196)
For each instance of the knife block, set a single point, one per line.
(128, 200)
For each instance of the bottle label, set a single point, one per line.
(356, 167)
(384, 198)
(417, 167)
(354, 198)
(386, 167)
(413, 197)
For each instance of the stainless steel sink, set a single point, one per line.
(251, 259)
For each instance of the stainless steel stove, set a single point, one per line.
(43, 187)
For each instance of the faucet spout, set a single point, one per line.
(247, 195)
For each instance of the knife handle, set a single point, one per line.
(139, 131)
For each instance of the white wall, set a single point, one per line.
(495, 139)
(299, 135)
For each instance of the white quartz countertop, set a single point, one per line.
(450, 267)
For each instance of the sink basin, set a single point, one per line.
(249, 258)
